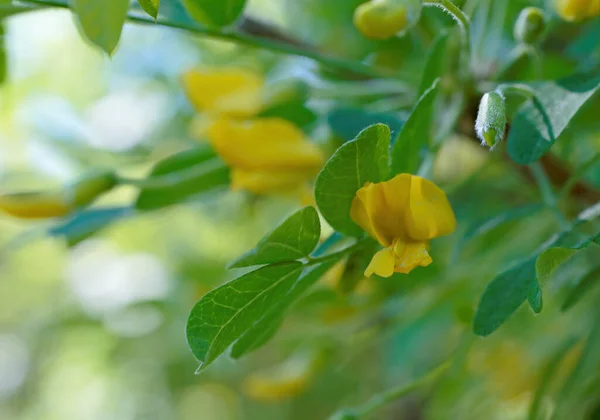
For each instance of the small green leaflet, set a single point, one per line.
(415, 136)
(364, 159)
(533, 133)
(295, 238)
(505, 294)
(215, 13)
(264, 329)
(86, 223)
(182, 176)
(150, 7)
(435, 62)
(347, 122)
(101, 21)
(225, 313)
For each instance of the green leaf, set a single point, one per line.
(101, 21)
(185, 175)
(255, 338)
(296, 112)
(549, 260)
(581, 289)
(510, 289)
(485, 226)
(503, 296)
(415, 137)
(346, 123)
(225, 313)
(215, 13)
(547, 375)
(88, 222)
(294, 238)
(364, 159)
(435, 62)
(150, 7)
(262, 330)
(533, 133)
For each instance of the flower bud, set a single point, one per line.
(382, 19)
(530, 25)
(576, 10)
(491, 119)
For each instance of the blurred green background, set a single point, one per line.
(96, 330)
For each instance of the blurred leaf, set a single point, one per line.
(86, 223)
(415, 137)
(253, 339)
(581, 289)
(573, 399)
(347, 123)
(215, 13)
(510, 289)
(434, 63)
(503, 296)
(364, 159)
(548, 374)
(259, 333)
(296, 112)
(150, 7)
(532, 133)
(485, 226)
(227, 312)
(549, 260)
(189, 173)
(101, 22)
(295, 238)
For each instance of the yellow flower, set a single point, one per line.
(285, 380)
(226, 91)
(382, 19)
(403, 214)
(265, 154)
(576, 10)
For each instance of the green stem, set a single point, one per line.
(395, 393)
(463, 22)
(547, 191)
(242, 38)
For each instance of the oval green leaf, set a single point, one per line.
(215, 13)
(101, 21)
(295, 238)
(364, 159)
(150, 7)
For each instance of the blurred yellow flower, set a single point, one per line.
(225, 91)
(35, 205)
(575, 10)
(266, 155)
(283, 381)
(403, 214)
(382, 19)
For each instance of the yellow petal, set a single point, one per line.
(264, 144)
(382, 264)
(575, 10)
(36, 205)
(379, 208)
(262, 182)
(231, 91)
(409, 255)
(429, 213)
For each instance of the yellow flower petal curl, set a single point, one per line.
(265, 144)
(403, 214)
(226, 91)
(429, 214)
